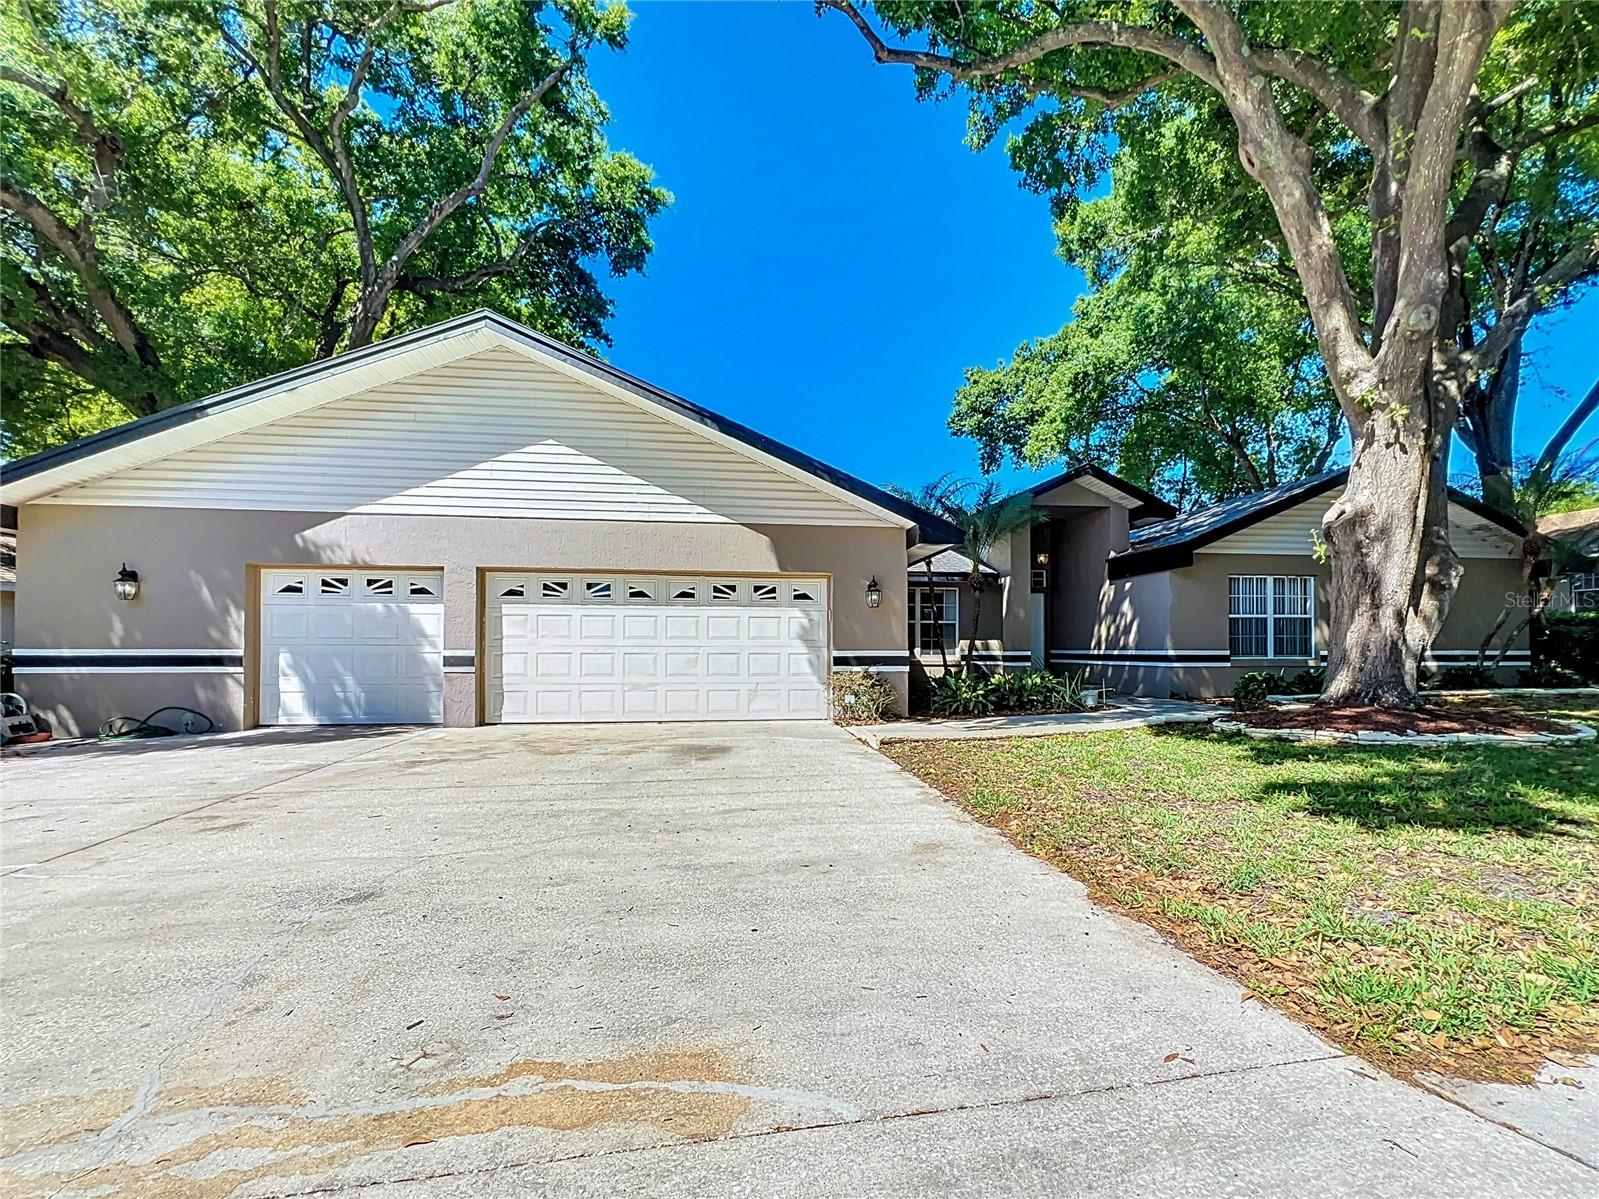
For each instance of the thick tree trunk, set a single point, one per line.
(1393, 570)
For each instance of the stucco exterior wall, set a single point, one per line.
(197, 572)
(1079, 542)
(1198, 614)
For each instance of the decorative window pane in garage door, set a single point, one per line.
(347, 645)
(566, 647)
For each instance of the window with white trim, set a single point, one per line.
(934, 617)
(1585, 592)
(1271, 616)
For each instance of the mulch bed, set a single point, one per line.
(1427, 720)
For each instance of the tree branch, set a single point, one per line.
(1187, 55)
(106, 149)
(441, 209)
(1576, 263)
(1556, 445)
(1344, 98)
(1272, 154)
(454, 284)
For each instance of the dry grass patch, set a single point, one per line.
(1426, 908)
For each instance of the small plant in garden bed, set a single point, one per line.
(1251, 690)
(860, 697)
(1464, 678)
(1428, 909)
(1005, 694)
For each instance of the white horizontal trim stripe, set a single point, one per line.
(128, 670)
(1124, 653)
(142, 652)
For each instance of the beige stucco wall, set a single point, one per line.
(1079, 542)
(1198, 612)
(197, 585)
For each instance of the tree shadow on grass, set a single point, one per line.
(1527, 791)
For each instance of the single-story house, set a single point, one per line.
(473, 524)
(1112, 582)
(467, 524)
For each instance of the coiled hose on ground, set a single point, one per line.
(126, 728)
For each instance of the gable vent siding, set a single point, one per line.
(492, 435)
(1289, 533)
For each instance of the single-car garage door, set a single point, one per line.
(349, 645)
(613, 647)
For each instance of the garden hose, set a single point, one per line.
(126, 728)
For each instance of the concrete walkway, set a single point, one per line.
(736, 959)
(1129, 712)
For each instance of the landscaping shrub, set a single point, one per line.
(1464, 678)
(1017, 692)
(1571, 641)
(1307, 682)
(860, 697)
(1251, 690)
(958, 694)
(1547, 676)
(1034, 691)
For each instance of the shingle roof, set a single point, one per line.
(1171, 543)
(947, 562)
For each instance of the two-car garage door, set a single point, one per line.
(614, 647)
(353, 645)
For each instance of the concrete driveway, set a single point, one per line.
(713, 959)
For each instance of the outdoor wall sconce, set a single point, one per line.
(127, 583)
(874, 593)
(1042, 558)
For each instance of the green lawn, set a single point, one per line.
(1429, 908)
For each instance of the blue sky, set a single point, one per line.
(837, 256)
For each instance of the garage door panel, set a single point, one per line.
(685, 628)
(623, 647)
(340, 646)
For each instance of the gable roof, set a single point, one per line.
(149, 438)
(1170, 544)
(1142, 503)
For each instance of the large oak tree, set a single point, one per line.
(196, 192)
(1410, 86)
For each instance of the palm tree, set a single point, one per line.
(985, 516)
(935, 497)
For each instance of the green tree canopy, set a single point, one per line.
(198, 193)
(1179, 203)
(1424, 172)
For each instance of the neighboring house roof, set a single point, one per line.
(1579, 529)
(947, 564)
(187, 425)
(1142, 503)
(1171, 543)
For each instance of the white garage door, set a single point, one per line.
(602, 647)
(352, 646)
